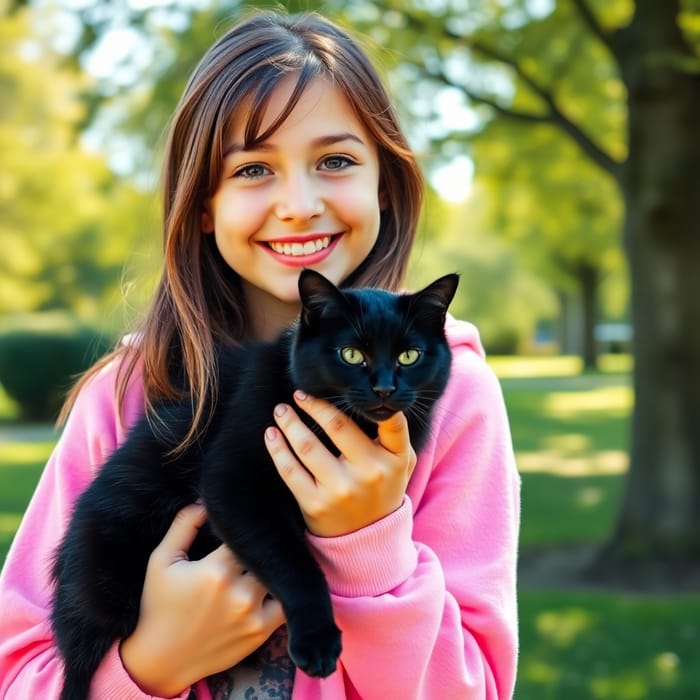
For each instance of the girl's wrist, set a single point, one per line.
(372, 560)
(152, 674)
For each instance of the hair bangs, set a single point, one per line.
(253, 132)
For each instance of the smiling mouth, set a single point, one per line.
(299, 249)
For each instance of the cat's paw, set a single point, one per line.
(315, 651)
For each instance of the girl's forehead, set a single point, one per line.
(320, 100)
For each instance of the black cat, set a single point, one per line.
(370, 352)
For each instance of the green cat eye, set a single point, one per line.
(352, 355)
(408, 357)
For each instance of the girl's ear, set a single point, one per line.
(206, 221)
(383, 199)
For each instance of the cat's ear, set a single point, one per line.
(317, 294)
(437, 296)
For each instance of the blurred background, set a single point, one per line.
(561, 143)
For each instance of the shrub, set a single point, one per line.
(40, 356)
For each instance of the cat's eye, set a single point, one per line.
(408, 357)
(352, 355)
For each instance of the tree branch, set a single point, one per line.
(505, 111)
(554, 114)
(591, 21)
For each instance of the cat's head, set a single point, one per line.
(373, 352)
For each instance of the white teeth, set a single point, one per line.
(296, 249)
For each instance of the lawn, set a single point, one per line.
(570, 434)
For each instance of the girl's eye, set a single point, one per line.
(409, 357)
(251, 171)
(336, 162)
(352, 356)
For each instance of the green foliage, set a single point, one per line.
(40, 358)
(68, 224)
(497, 292)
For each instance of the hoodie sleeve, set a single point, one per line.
(426, 598)
(30, 666)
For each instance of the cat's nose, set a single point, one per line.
(384, 391)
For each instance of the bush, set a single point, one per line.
(40, 356)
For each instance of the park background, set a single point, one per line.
(561, 143)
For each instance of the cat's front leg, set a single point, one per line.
(314, 638)
(268, 539)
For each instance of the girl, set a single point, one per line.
(285, 153)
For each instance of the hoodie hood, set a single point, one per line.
(461, 334)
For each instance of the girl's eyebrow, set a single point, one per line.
(318, 142)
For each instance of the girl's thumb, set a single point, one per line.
(182, 532)
(393, 433)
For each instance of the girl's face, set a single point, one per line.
(306, 197)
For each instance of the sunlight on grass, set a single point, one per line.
(573, 463)
(563, 627)
(615, 400)
(9, 410)
(517, 366)
(666, 667)
(18, 453)
(630, 685)
(589, 497)
(542, 673)
(9, 522)
(555, 366)
(578, 645)
(621, 364)
(579, 423)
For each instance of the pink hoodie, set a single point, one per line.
(425, 598)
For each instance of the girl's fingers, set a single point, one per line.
(393, 436)
(181, 533)
(226, 559)
(341, 494)
(298, 479)
(344, 433)
(392, 433)
(305, 446)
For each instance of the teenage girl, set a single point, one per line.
(285, 153)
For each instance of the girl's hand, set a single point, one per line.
(338, 495)
(197, 617)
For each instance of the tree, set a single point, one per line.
(562, 215)
(67, 223)
(659, 64)
(653, 49)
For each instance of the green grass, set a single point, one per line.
(570, 432)
(570, 435)
(577, 645)
(21, 462)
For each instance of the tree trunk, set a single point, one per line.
(659, 520)
(587, 276)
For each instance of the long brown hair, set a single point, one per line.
(198, 302)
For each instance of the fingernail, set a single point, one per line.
(280, 409)
(270, 434)
(300, 395)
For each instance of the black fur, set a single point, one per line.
(100, 565)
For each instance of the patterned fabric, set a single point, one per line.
(266, 675)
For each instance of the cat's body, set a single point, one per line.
(370, 352)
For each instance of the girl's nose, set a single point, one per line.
(299, 198)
